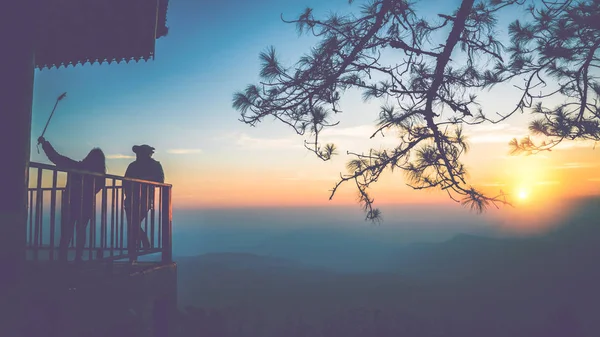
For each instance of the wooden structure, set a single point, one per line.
(46, 34)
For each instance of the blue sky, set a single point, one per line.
(180, 103)
(211, 51)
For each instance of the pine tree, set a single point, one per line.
(430, 88)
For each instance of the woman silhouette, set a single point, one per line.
(79, 195)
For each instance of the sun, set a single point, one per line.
(523, 194)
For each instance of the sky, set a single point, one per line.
(180, 103)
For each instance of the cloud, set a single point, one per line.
(493, 133)
(494, 184)
(483, 133)
(245, 140)
(305, 177)
(548, 182)
(360, 131)
(357, 138)
(517, 157)
(504, 132)
(184, 151)
(491, 138)
(571, 144)
(484, 128)
(119, 156)
(575, 165)
(539, 183)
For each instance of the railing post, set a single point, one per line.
(53, 214)
(103, 222)
(38, 215)
(133, 223)
(167, 214)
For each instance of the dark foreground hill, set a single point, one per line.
(466, 286)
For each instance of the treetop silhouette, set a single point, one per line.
(429, 90)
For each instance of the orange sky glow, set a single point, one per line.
(563, 173)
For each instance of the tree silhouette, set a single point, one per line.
(390, 53)
(556, 53)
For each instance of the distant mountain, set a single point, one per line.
(351, 250)
(461, 257)
(237, 261)
(466, 286)
(570, 246)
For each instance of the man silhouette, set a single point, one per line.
(139, 199)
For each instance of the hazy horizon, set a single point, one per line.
(331, 236)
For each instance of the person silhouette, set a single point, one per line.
(140, 199)
(77, 201)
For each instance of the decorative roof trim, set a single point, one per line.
(76, 33)
(66, 64)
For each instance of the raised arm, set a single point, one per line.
(58, 160)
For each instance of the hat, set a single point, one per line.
(142, 149)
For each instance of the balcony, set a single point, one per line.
(115, 272)
(108, 236)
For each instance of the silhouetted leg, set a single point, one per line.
(143, 236)
(144, 241)
(134, 221)
(66, 234)
(131, 226)
(80, 242)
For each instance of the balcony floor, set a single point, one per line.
(88, 273)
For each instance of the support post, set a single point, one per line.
(17, 33)
(133, 221)
(167, 215)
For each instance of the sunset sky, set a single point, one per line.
(180, 103)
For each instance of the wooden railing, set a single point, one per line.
(104, 216)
